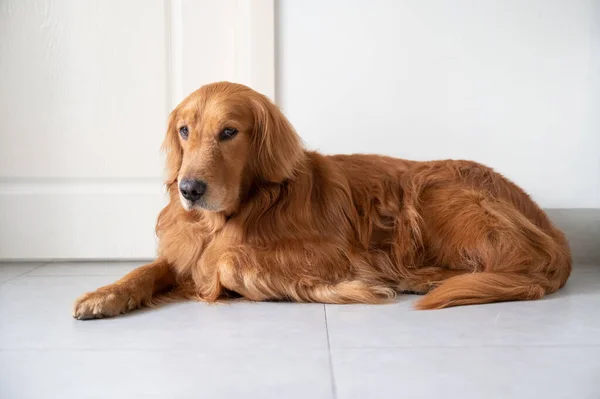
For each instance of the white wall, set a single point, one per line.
(514, 84)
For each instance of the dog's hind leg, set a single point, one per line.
(510, 257)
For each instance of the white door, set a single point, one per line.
(85, 90)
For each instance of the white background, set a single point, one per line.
(511, 83)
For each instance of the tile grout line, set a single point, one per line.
(333, 386)
(35, 268)
(27, 272)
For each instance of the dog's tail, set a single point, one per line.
(483, 287)
(486, 287)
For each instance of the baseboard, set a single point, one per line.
(582, 227)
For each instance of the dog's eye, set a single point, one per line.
(183, 131)
(227, 133)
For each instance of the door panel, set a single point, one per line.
(85, 91)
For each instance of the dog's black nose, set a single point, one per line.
(192, 190)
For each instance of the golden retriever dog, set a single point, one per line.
(254, 214)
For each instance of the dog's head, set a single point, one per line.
(222, 138)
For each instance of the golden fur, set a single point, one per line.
(278, 222)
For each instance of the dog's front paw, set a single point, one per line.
(104, 302)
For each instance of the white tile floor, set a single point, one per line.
(541, 349)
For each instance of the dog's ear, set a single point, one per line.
(277, 149)
(172, 149)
